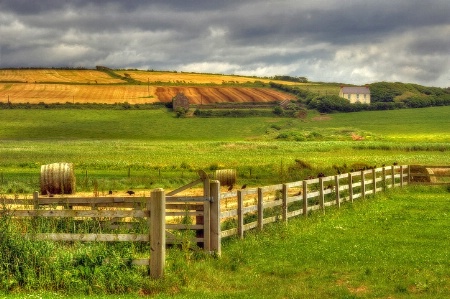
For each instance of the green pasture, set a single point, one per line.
(394, 245)
(427, 124)
(152, 148)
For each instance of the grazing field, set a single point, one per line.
(395, 246)
(392, 246)
(164, 151)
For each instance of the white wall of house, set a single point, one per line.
(355, 94)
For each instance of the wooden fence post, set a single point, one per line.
(157, 232)
(215, 238)
(36, 200)
(321, 195)
(284, 196)
(305, 198)
(409, 174)
(207, 223)
(384, 178)
(201, 220)
(36, 206)
(260, 209)
(374, 181)
(336, 190)
(240, 212)
(401, 176)
(363, 184)
(350, 187)
(393, 176)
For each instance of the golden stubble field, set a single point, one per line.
(62, 93)
(93, 86)
(193, 78)
(57, 76)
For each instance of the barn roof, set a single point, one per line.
(355, 90)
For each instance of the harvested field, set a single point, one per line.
(56, 76)
(133, 94)
(62, 93)
(93, 86)
(192, 78)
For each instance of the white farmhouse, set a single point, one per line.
(355, 94)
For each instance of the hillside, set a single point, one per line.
(412, 95)
(104, 85)
(135, 87)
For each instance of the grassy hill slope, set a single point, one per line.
(104, 85)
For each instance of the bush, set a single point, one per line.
(180, 112)
(327, 104)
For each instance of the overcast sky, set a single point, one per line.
(349, 41)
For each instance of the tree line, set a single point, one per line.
(383, 97)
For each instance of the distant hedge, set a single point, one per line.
(69, 105)
(233, 112)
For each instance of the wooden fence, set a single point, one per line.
(211, 216)
(163, 217)
(247, 209)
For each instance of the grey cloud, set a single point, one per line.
(351, 41)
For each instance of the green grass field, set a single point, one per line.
(163, 151)
(395, 246)
(392, 246)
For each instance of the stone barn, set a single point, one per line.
(180, 101)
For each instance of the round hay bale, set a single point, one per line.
(57, 178)
(226, 177)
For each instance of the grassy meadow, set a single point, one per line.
(392, 246)
(160, 150)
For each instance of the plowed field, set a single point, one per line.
(206, 95)
(133, 94)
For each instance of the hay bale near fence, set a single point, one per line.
(226, 177)
(57, 178)
(421, 174)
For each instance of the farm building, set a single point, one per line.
(180, 101)
(355, 94)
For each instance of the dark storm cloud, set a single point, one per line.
(351, 41)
